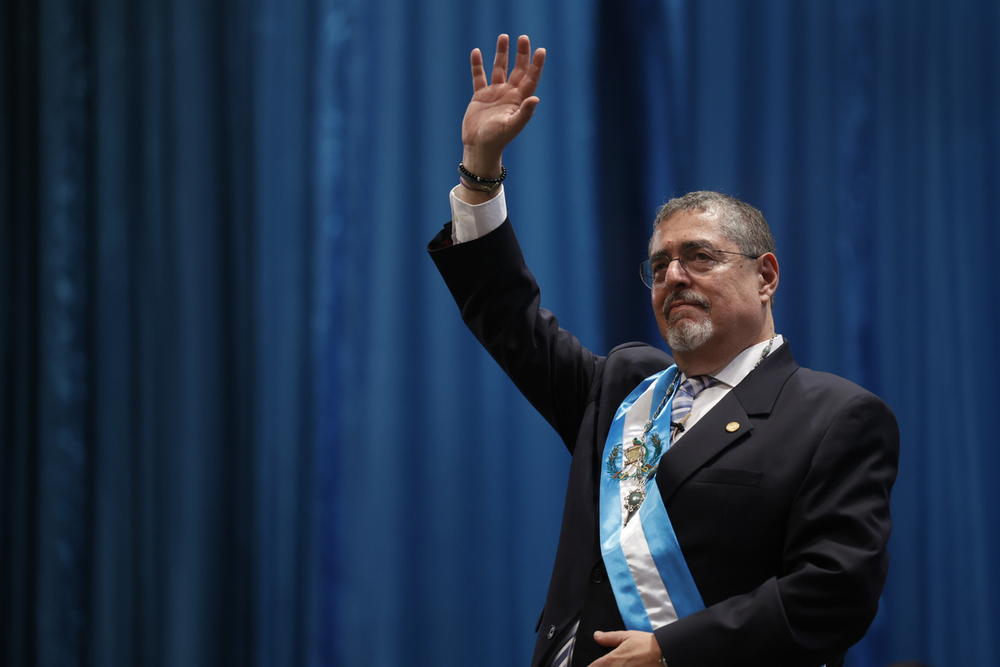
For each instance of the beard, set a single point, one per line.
(684, 335)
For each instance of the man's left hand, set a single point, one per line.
(631, 648)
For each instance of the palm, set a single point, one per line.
(489, 117)
(500, 109)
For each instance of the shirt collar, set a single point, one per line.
(745, 361)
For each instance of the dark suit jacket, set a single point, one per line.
(783, 522)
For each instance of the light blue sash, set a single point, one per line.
(651, 580)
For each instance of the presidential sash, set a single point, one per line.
(647, 571)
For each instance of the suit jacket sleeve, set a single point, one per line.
(499, 301)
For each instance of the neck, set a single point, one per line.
(711, 359)
(692, 363)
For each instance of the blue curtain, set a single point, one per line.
(167, 317)
(868, 133)
(242, 422)
(449, 486)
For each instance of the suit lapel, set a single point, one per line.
(726, 423)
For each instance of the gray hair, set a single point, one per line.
(740, 222)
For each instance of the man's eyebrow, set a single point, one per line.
(686, 245)
(697, 243)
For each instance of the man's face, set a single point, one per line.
(715, 311)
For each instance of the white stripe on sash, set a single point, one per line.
(651, 581)
(655, 597)
(635, 421)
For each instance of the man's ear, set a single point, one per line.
(767, 276)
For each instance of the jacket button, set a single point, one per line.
(551, 633)
(597, 574)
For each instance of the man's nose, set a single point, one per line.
(677, 275)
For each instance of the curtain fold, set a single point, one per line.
(160, 348)
(242, 422)
(868, 136)
(449, 486)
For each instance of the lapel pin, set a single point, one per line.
(733, 427)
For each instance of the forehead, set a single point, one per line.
(685, 228)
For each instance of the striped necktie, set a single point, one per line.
(565, 652)
(684, 399)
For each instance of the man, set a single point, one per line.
(727, 508)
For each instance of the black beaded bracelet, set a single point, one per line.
(480, 183)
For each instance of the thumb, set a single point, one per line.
(523, 114)
(609, 639)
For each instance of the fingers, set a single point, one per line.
(629, 647)
(527, 69)
(523, 57)
(500, 61)
(534, 72)
(610, 639)
(478, 71)
(523, 114)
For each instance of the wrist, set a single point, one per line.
(662, 662)
(482, 163)
(478, 183)
(474, 197)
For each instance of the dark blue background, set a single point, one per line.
(242, 423)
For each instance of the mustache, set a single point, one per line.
(686, 296)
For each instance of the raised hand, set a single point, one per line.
(500, 108)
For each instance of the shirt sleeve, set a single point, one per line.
(472, 221)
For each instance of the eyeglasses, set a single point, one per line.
(696, 260)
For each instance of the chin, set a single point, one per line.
(687, 335)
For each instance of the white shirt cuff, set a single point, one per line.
(471, 221)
